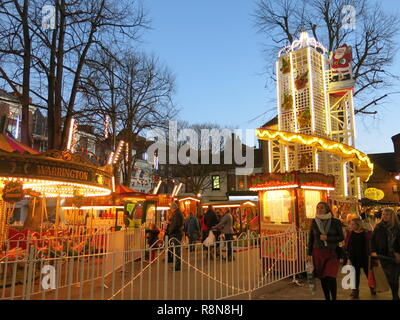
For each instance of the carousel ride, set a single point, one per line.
(315, 135)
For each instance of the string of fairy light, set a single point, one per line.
(322, 143)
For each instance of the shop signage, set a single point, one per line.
(273, 179)
(374, 194)
(13, 191)
(63, 172)
(53, 170)
(293, 178)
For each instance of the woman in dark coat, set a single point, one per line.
(358, 243)
(385, 245)
(325, 235)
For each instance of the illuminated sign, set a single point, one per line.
(374, 194)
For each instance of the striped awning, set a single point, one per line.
(9, 144)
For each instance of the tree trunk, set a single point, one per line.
(26, 137)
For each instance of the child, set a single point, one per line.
(152, 238)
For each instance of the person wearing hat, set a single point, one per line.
(175, 232)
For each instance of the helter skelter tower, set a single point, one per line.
(316, 126)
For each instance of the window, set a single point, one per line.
(216, 182)
(277, 206)
(312, 198)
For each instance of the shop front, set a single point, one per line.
(289, 200)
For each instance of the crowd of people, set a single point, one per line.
(178, 228)
(368, 238)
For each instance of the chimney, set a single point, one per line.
(396, 145)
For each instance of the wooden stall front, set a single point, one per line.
(245, 213)
(289, 199)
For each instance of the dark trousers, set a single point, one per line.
(192, 240)
(392, 272)
(175, 252)
(329, 287)
(228, 239)
(358, 268)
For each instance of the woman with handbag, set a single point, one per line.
(384, 245)
(357, 244)
(325, 235)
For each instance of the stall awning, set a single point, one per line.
(9, 144)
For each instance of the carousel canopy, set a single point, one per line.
(51, 174)
(9, 144)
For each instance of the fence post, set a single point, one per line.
(166, 244)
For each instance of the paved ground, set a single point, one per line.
(196, 280)
(287, 290)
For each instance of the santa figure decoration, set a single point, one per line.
(341, 63)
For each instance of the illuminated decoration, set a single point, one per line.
(189, 198)
(223, 206)
(374, 194)
(162, 208)
(397, 177)
(361, 160)
(110, 158)
(177, 190)
(273, 188)
(13, 191)
(316, 125)
(55, 174)
(93, 207)
(126, 151)
(276, 181)
(106, 126)
(118, 152)
(317, 188)
(157, 187)
(73, 127)
(303, 42)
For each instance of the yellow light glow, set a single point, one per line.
(50, 188)
(274, 188)
(311, 90)
(162, 208)
(317, 188)
(224, 206)
(293, 92)
(92, 207)
(249, 203)
(189, 198)
(360, 159)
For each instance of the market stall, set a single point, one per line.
(245, 213)
(189, 204)
(37, 176)
(289, 199)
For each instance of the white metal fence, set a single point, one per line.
(128, 272)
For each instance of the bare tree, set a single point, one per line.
(136, 92)
(373, 39)
(190, 168)
(16, 55)
(58, 55)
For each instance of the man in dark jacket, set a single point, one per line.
(175, 232)
(211, 220)
(192, 230)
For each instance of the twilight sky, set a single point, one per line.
(216, 54)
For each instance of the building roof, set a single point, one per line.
(387, 161)
(270, 123)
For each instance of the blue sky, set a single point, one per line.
(216, 54)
